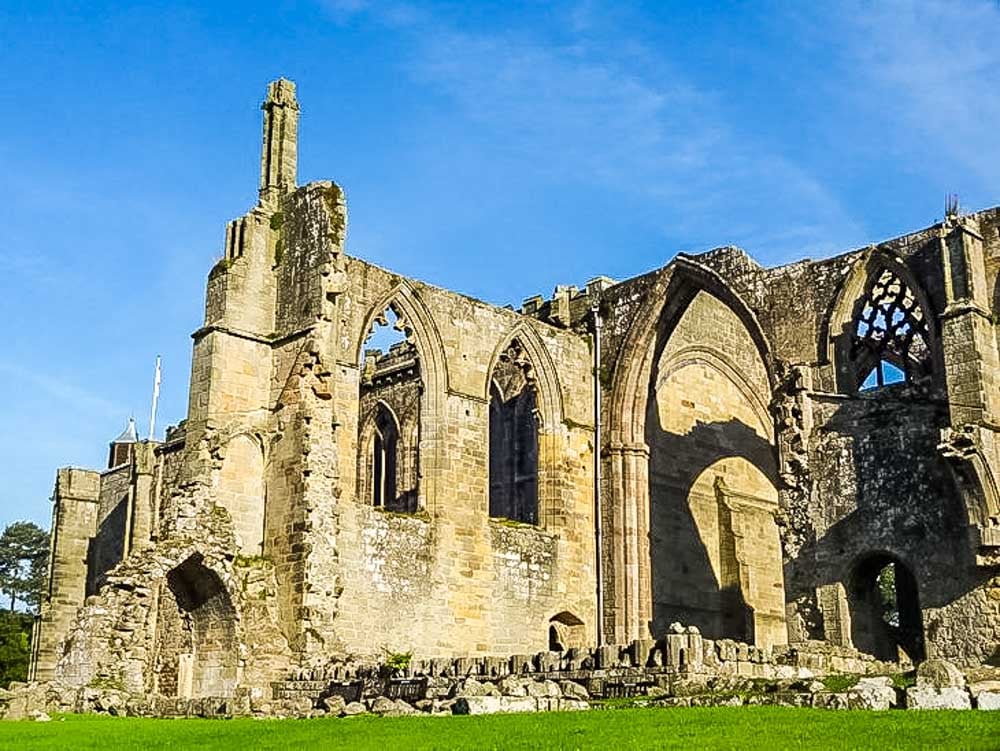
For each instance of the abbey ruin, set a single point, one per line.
(741, 449)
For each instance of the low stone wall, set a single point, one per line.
(682, 652)
(681, 669)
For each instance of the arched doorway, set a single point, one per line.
(885, 609)
(196, 634)
(566, 631)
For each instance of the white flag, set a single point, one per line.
(156, 397)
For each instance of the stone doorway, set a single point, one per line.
(885, 609)
(196, 634)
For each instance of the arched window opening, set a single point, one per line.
(883, 374)
(385, 446)
(885, 611)
(889, 334)
(390, 393)
(513, 448)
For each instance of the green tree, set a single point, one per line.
(24, 557)
(15, 650)
(887, 594)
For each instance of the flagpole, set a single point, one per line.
(156, 398)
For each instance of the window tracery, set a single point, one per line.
(889, 334)
(513, 449)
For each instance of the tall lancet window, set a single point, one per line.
(385, 447)
(513, 449)
(389, 399)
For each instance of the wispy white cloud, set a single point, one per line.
(63, 390)
(929, 69)
(566, 104)
(628, 120)
(584, 98)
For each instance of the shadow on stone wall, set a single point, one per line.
(107, 548)
(685, 587)
(883, 492)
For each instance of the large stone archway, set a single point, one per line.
(690, 392)
(715, 553)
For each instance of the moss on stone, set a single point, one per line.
(221, 266)
(838, 683)
(419, 514)
(505, 522)
(107, 683)
(904, 680)
(252, 561)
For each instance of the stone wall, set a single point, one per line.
(467, 599)
(74, 523)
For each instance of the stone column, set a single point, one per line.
(140, 532)
(628, 535)
(279, 150)
(972, 376)
(968, 340)
(836, 613)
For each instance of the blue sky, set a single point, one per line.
(496, 148)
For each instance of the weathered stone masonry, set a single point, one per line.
(772, 442)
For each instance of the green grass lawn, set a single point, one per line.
(696, 728)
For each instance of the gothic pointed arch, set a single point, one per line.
(669, 296)
(523, 343)
(417, 323)
(422, 361)
(525, 429)
(974, 476)
(625, 507)
(384, 479)
(726, 368)
(881, 328)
